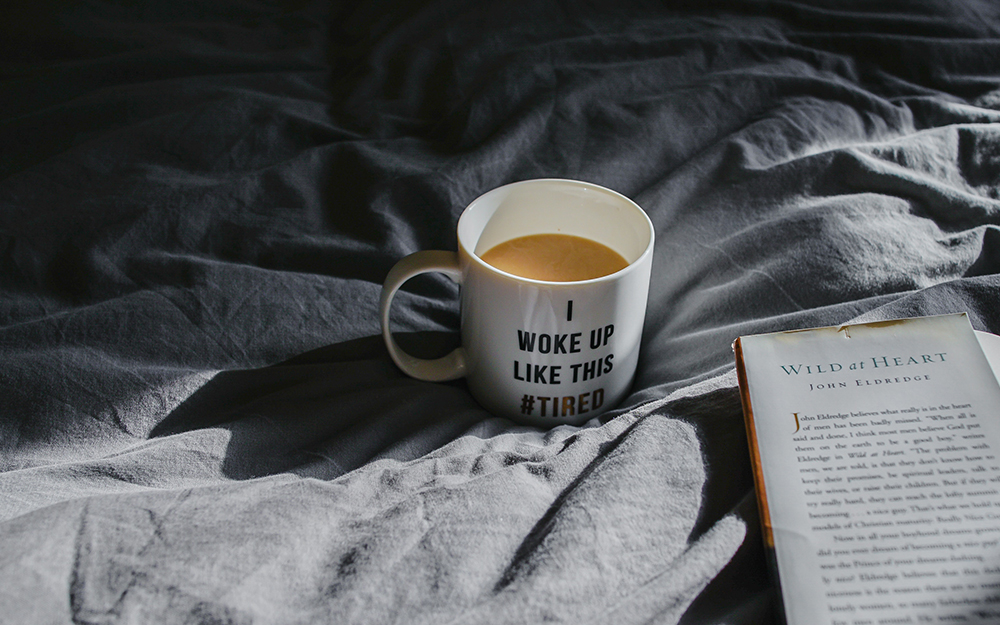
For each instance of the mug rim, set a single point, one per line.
(646, 252)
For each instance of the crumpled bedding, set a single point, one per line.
(198, 203)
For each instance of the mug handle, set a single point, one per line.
(442, 369)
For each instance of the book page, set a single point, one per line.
(879, 448)
(991, 347)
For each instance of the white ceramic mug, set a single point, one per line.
(542, 353)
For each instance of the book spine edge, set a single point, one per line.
(758, 478)
(748, 421)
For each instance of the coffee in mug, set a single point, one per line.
(540, 348)
(555, 258)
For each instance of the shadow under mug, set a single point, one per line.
(538, 352)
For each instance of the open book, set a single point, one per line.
(876, 453)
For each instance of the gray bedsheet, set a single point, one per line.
(198, 203)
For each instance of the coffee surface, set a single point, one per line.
(555, 258)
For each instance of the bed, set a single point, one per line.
(199, 421)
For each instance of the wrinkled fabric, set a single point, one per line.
(198, 203)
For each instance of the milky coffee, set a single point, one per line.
(555, 258)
